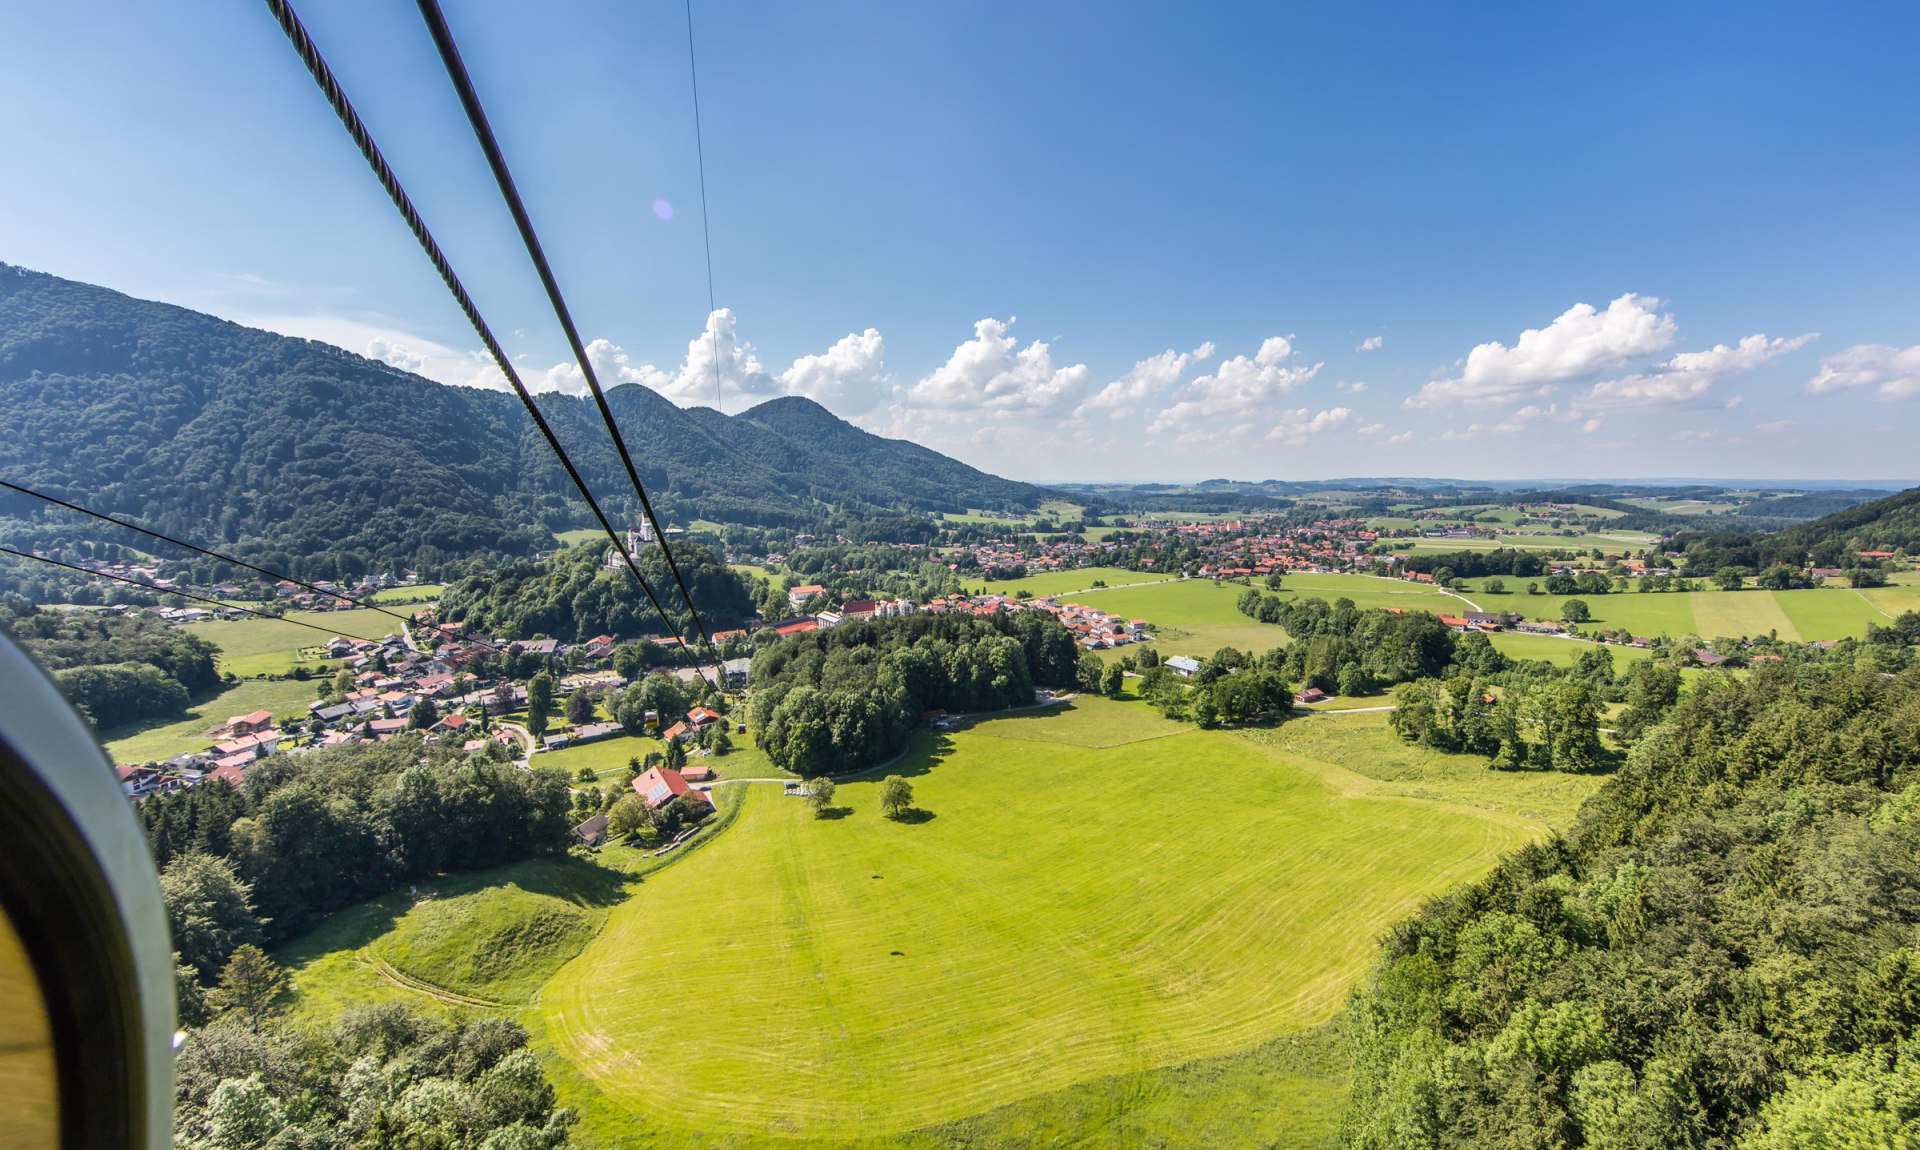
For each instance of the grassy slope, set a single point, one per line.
(138, 745)
(256, 646)
(1119, 941)
(1078, 579)
(608, 758)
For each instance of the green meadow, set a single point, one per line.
(419, 592)
(1103, 925)
(1123, 901)
(1832, 612)
(1079, 579)
(258, 646)
(146, 744)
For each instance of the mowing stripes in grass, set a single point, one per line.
(1066, 912)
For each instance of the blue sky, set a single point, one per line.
(1095, 242)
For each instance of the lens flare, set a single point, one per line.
(663, 209)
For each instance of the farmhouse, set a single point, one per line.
(660, 785)
(249, 724)
(1185, 666)
(593, 832)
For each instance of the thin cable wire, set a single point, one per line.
(201, 599)
(496, 160)
(224, 558)
(706, 229)
(309, 53)
(165, 538)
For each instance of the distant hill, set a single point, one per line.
(1890, 524)
(284, 447)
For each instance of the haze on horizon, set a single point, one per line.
(1160, 245)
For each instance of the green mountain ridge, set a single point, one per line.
(284, 447)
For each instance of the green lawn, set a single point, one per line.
(419, 591)
(578, 535)
(608, 758)
(1373, 591)
(1189, 617)
(257, 646)
(140, 745)
(1068, 912)
(1560, 652)
(1060, 582)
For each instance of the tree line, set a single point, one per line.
(1723, 952)
(845, 698)
(314, 833)
(115, 668)
(573, 596)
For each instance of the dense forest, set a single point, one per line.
(1725, 950)
(305, 458)
(380, 1075)
(574, 596)
(122, 667)
(316, 832)
(1890, 524)
(845, 698)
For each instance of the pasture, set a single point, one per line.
(258, 646)
(1831, 612)
(1560, 652)
(1123, 906)
(1079, 579)
(159, 741)
(1189, 617)
(417, 593)
(608, 759)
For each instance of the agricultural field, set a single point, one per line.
(1834, 612)
(877, 980)
(1561, 652)
(419, 592)
(1158, 947)
(1542, 540)
(1189, 617)
(1079, 579)
(608, 759)
(257, 646)
(140, 745)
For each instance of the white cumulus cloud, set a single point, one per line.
(991, 371)
(1148, 379)
(1688, 377)
(1371, 343)
(1238, 390)
(1296, 425)
(1581, 342)
(1893, 372)
(848, 377)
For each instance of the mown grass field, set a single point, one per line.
(1078, 579)
(408, 595)
(1561, 652)
(608, 759)
(1834, 612)
(1121, 906)
(1189, 617)
(146, 744)
(1536, 539)
(257, 646)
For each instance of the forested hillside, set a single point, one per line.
(123, 667)
(1890, 524)
(293, 450)
(1725, 952)
(573, 596)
